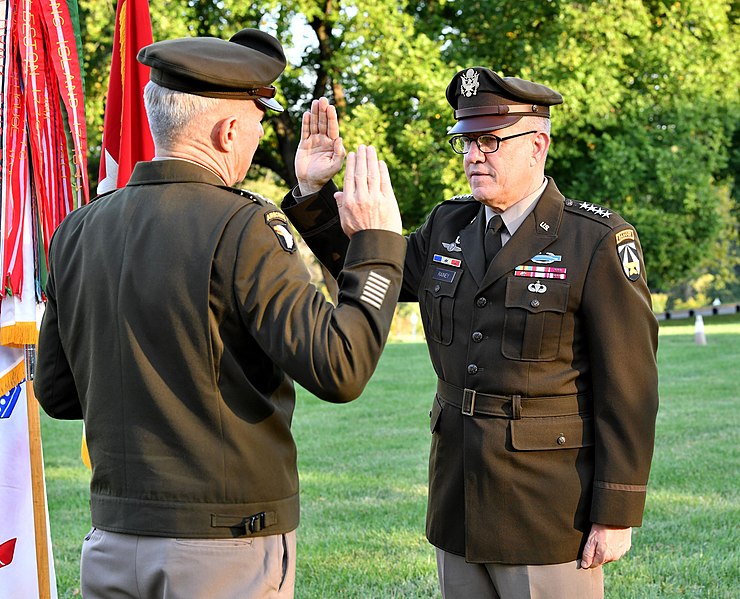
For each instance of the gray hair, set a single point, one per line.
(538, 123)
(171, 112)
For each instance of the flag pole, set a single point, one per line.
(37, 478)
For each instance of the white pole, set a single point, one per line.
(699, 336)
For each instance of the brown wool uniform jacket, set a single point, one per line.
(178, 317)
(544, 418)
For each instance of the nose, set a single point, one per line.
(474, 155)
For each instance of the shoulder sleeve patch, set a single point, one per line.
(629, 255)
(278, 222)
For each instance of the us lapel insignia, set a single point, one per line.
(454, 246)
(278, 222)
(628, 254)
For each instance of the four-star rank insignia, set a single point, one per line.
(278, 222)
(628, 254)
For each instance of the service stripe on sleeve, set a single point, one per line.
(375, 289)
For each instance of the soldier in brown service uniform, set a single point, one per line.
(539, 325)
(178, 316)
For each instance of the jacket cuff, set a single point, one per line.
(617, 505)
(315, 212)
(376, 245)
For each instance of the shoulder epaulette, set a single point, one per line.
(103, 195)
(466, 197)
(595, 212)
(249, 195)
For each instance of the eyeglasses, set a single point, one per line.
(487, 143)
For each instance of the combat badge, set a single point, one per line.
(278, 222)
(628, 254)
(546, 258)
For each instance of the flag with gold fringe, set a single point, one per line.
(43, 176)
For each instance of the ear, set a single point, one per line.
(224, 134)
(540, 148)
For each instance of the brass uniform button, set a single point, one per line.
(561, 439)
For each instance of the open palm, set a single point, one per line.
(320, 153)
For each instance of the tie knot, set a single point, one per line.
(494, 224)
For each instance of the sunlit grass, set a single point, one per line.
(363, 470)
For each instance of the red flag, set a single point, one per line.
(126, 137)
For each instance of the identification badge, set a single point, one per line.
(442, 274)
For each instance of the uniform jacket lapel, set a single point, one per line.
(537, 231)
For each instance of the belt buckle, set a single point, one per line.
(468, 400)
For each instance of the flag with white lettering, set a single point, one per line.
(43, 176)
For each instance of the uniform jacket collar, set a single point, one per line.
(537, 231)
(172, 171)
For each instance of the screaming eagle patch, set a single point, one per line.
(278, 222)
(629, 256)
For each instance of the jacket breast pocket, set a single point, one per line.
(437, 303)
(534, 318)
(554, 432)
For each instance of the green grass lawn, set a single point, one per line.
(363, 482)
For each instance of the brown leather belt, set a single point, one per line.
(514, 407)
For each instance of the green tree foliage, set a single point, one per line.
(651, 103)
(648, 127)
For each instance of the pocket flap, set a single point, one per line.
(533, 295)
(556, 432)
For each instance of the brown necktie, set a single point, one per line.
(492, 240)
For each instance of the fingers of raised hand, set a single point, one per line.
(323, 115)
(373, 171)
(349, 175)
(386, 187)
(306, 125)
(360, 174)
(332, 125)
(314, 117)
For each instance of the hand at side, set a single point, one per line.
(605, 544)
